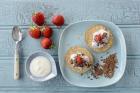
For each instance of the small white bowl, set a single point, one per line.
(41, 79)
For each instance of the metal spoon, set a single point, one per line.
(17, 37)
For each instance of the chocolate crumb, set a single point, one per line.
(101, 59)
(107, 68)
(107, 52)
(96, 70)
(109, 65)
(81, 74)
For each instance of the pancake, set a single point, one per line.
(76, 50)
(89, 38)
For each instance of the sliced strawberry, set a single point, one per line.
(79, 60)
(98, 38)
(46, 43)
(38, 18)
(34, 32)
(47, 32)
(58, 20)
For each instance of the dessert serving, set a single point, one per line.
(79, 59)
(99, 38)
(79, 67)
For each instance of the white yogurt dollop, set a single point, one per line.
(73, 57)
(105, 40)
(40, 66)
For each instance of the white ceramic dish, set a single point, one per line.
(74, 35)
(50, 76)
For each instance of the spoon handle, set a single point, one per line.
(16, 64)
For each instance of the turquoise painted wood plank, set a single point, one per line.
(130, 80)
(123, 91)
(30, 45)
(119, 12)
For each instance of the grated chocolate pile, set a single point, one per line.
(107, 68)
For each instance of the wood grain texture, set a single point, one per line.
(124, 13)
(120, 12)
(129, 81)
(30, 45)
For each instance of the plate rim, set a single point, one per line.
(124, 47)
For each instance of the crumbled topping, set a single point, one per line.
(109, 65)
(107, 68)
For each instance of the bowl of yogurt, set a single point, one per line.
(40, 66)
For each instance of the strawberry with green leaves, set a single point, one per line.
(46, 43)
(35, 32)
(41, 29)
(58, 20)
(47, 31)
(38, 18)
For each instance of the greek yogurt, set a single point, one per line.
(40, 66)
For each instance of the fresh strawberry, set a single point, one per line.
(79, 60)
(58, 20)
(46, 43)
(47, 32)
(34, 32)
(98, 38)
(38, 18)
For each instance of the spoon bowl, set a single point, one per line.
(16, 34)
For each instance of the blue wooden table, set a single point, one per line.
(124, 13)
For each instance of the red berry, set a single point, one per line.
(79, 60)
(98, 38)
(46, 43)
(34, 32)
(38, 18)
(47, 32)
(58, 20)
